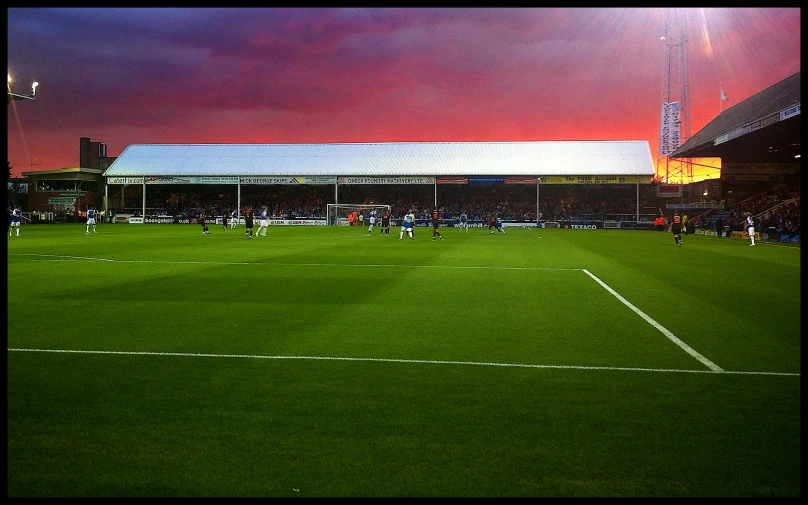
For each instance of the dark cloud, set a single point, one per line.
(138, 75)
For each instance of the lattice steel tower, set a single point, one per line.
(675, 115)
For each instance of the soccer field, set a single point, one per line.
(153, 360)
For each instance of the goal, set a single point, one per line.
(611, 225)
(552, 224)
(337, 213)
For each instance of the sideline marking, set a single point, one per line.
(709, 364)
(393, 360)
(59, 257)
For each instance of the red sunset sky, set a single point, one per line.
(136, 76)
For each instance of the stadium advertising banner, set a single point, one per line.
(288, 180)
(124, 180)
(694, 205)
(791, 111)
(751, 178)
(486, 180)
(297, 222)
(170, 179)
(385, 180)
(760, 168)
(520, 180)
(595, 179)
(452, 180)
(669, 190)
(218, 220)
(61, 200)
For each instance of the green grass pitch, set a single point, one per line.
(327, 362)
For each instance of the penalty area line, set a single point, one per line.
(394, 360)
(673, 338)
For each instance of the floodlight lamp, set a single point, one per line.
(9, 78)
(33, 88)
(705, 194)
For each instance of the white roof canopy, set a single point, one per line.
(388, 159)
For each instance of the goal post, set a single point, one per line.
(337, 213)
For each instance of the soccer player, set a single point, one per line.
(676, 227)
(372, 220)
(263, 222)
(498, 224)
(10, 212)
(750, 227)
(248, 223)
(201, 221)
(16, 219)
(234, 219)
(492, 223)
(224, 220)
(406, 226)
(464, 222)
(90, 220)
(435, 223)
(412, 221)
(385, 223)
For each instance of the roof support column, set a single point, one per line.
(537, 200)
(238, 201)
(144, 199)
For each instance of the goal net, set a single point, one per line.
(552, 224)
(337, 213)
(613, 225)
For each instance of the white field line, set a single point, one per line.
(797, 247)
(709, 364)
(59, 257)
(392, 360)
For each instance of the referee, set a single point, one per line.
(676, 228)
(248, 223)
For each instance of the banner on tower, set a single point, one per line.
(669, 128)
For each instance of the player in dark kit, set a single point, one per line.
(201, 220)
(248, 223)
(435, 224)
(224, 220)
(385, 223)
(676, 228)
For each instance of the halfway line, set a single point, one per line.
(709, 364)
(392, 360)
(59, 257)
